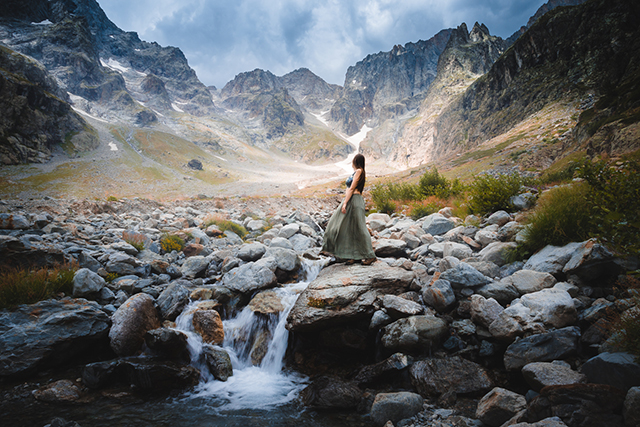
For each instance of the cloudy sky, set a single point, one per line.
(222, 38)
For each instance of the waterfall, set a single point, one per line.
(258, 381)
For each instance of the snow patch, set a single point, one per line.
(175, 107)
(114, 65)
(321, 118)
(355, 140)
(224, 160)
(45, 22)
(113, 146)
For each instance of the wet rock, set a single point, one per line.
(62, 391)
(249, 277)
(398, 307)
(218, 362)
(208, 324)
(433, 377)
(498, 406)
(415, 333)
(168, 343)
(331, 393)
(260, 347)
(578, 405)
(61, 422)
(266, 302)
(395, 407)
(87, 283)
(542, 348)
(131, 322)
(379, 320)
(172, 300)
(49, 333)
(547, 422)
(619, 370)
(388, 367)
(346, 293)
(155, 376)
(542, 374)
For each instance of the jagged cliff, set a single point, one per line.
(467, 56)
(34, 113)
(569, 53)
(388, 84)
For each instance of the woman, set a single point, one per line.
(347, 237)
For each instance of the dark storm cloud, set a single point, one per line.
(224, 38)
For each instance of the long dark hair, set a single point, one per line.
(358, 163)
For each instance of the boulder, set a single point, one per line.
(286, 259)
(499, 218)
(49, 333)
(484, 311)
(398, 307)
(390, 366)
(390, 248)
(395, 407)
(266, 303)
(541, 374)
(281, 242)
(218, 362)
(485, 237)
(631, 410)
(498, 406)
(172, 300)
(131, 322)
(251, 251)
(502, 291)
(10, 221)
(552, 306)
(155, 376)
(193, 249)
(195, 266)
(208, 324)
(331, 393)
(464, 276)
(62, 391)
(497, 252)
(415, 333)
(288, 230)
(439, 295)
(592, 264)
(437, 224)
(527, 281)
(249, 277)
(168, 343)
(346, 293)
(552, 259)
(301, 242)
(456, 250)
(542, 348)
(619, 370)
(433, 377)
(86, 282)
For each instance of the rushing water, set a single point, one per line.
(262, 395)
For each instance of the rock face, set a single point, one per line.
(130, 323)
(36, 115)
(454, 374)
(49, 333)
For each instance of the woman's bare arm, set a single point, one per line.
(351, 190)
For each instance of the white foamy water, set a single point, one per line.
(252, 387)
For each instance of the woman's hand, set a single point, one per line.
(344, 208)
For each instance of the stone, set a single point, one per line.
(544, 347)
(301, 243)
(266, 303)
(447, 263)
(195, 164)
(439, 295)
(157, 376)
(619, 370)
(281, 242)
(542, 374)
(526, 281)
(433, 377)
(485, 237)
(379, 320)
(415, 333)
(124, 247)
(131, 322)
(464, 276)
(62, 391)
(49, 333)
(497, 252)
(593, 264)
(218, 362)
(249, 277)
(168, 343)
(251, 251)
(488, 269)
(86, 283)
(13, 222)
(346, 293)
(331, 393)
(390, 248)
(392, 365)
(484, 311)
(288, 230)
(437, 224)
(208, 324)
(195, 266)
(498, 406)
(395, 407)
(499, 218)
(286, 259)
(553, 306)
(631, 410)
(256, 225)
(552, 259)
(547, 422)
(173, 300)
(505, 327)
(193, 249)
(456, 250)
(398, 307)
(507, 232)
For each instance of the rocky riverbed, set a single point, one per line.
(440, 331)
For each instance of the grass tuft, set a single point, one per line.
(28, 286)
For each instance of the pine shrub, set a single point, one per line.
(489, 193)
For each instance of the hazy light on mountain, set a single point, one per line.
(222, 38)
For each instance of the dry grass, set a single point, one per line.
(28, 286)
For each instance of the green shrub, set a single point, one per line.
(431, 182)
(171, 242)
(489, 193)
(112, 199)
(28, 286)
(561, 216)
(614, 199)
(421, 209)
(564, 174)
(625, 328)
(225, 224)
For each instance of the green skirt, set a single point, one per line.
(346, 236)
